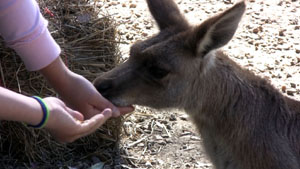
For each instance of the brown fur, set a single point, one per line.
(245, 122)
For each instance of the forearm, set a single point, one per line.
(17, 107)
(58, 75)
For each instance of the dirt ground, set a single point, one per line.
(267, 42)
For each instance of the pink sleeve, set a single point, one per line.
(25, 30)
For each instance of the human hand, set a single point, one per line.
(67, 125)
(85, 98)
(77, 92)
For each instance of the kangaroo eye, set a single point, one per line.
(157, 72)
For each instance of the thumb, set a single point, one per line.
(107, 113)
(75, 114)
(100, 119)
(95, 122)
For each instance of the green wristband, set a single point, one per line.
(46, 113)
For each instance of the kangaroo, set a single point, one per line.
(245, 123)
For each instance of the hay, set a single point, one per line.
(90, 47)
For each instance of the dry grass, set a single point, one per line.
(90, 47)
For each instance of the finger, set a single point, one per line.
(103, 103)
(94, 123)
(89, 126)
(125, 110)
(75, 114)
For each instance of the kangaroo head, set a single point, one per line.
(161, 69)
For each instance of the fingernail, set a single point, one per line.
(107, 112)
(116, 111)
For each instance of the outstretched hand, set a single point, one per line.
(84, 97)
(67, 125)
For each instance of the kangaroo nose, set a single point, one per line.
(104, 87)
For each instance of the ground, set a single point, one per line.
(267, 42)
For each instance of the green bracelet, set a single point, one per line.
(46, 113)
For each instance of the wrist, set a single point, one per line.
(45, 112)
(58, 76)
(36, 115)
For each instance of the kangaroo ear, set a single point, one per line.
(216, 31)
(167, 14)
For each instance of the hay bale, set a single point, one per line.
(89, 47)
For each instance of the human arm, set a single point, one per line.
(25, 30)
(17, 107)
(78, 92)
(65, 124)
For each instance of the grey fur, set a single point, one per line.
(245, 122)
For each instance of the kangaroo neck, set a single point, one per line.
(218, 94)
